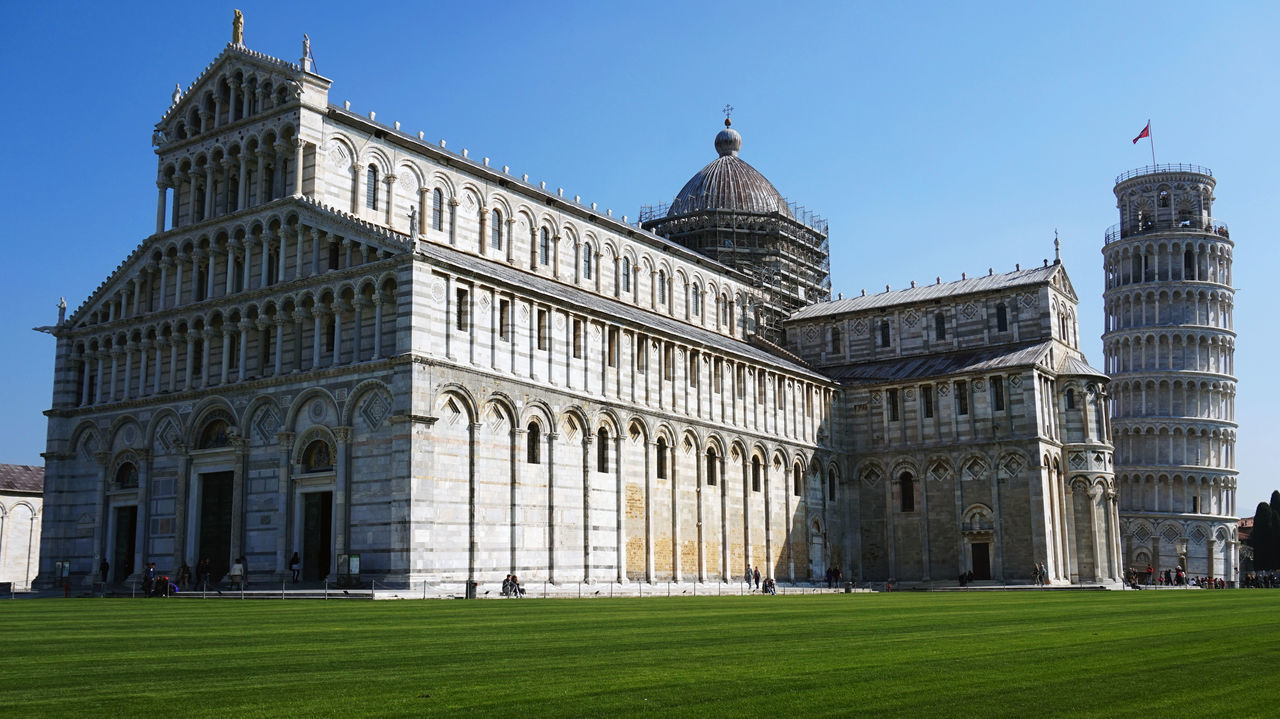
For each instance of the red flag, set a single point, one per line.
(1146, 132)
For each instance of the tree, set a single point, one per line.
(1263, 537)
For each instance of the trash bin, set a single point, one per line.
(471, 590)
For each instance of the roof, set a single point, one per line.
(21, 478)
(936, 365)
(728, 183)
(573, 297)
(972, 285)
(1072, 366)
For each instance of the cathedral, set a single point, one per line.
(410, 367)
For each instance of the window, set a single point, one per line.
(892, 401)
(542, 329)
(329, 326)
(544, 247)
(463, 310)
(611, 351)
(797, 480)
(755, 474)
(1002, 318)
(334, 255)
(835, 340)
(495, 233)
(962, 397)
(577, 338)
(831, 485)
(1071, 398)
(696, 301)
(371, 192)
(215, 434)
(926, 400)
(504, 320)
(668, 362)
(1164, 198)
(602, 450)
(642, 355)
(740, 380)
(717, 379)
(997, 393)
(884, 333)
(693, 369)
(626, 274)
(587, 257)
(906, 493)
(533, 444)
(662, 287)
(939, 326)
(127, 476)
(437, 209)
(1195, 505)
(712, 466)
(317, 457)
(661, 460)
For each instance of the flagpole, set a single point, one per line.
(1151, 139)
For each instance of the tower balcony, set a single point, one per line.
(1195, 226)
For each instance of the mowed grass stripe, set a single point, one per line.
(962, 654)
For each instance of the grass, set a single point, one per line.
(938, 654)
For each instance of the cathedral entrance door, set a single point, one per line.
(317, 535)
(126, 538)
(215, 522)
(981, 560)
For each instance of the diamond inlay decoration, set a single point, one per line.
(1170, 534)
(940, 471)
(912, 318)
(1199, 535)
(1141, 534)
(969, 310)
(974, 469)
(1078, 461)
(860, 328)
(375, 409)
(871, 477)
(266, 424)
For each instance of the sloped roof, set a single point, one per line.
(971, 285)
(985, 359)
(21, 478)
(1071, 366)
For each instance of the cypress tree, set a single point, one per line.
(1263, 537)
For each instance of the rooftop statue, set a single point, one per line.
(237, 29)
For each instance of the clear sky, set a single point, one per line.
(937, 138)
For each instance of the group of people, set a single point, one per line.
(769, 586)
(834, 575)
(1039, 574)
(1261, 580)
(511, 587)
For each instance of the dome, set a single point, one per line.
(728, 183)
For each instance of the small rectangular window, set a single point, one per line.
(542, 329)
(693, 369)
(717, 379)
(463, 310)
(740, 380)
(504, 320)
(926, 400)
(997, 393)
(893, 405)
(612, 350)
(884, 333)
(577, 338)
(642, 355)
(668, 362)
(962, 397)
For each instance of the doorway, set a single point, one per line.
(317, 535)
(126, 539)
(215, 523)
(981, 560)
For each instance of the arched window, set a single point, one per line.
(1002, 318)
(662, 287)
(695, 300)
(602, 450)
(586, 260)
(884, 333)
(127, 476)
(533, 444)
(939, 326)
(437, 209)
(712, 466)
(495, 233)
(906, 493)
(661, 451)
(755, 474)
(1164, 198)
(835, 340)
(831, 485)
(797, 480)
(544, 247)
(317, 457)
(626, 274)
(214, 435)
(371, 192)
(1071, 398)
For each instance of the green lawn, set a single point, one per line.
(1169, 653)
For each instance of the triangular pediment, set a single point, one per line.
(1063, 283)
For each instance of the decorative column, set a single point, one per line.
(277, 368)
(391, 200)
(208, 190)
(177, 280)
(298, 270)
(85, 359)
(229, 285)
(185, 340)
(378, 302)
(422, 210)
(165, 264)
(649, 467)
(284, 501)
(226, 353)
(618, 510)
(242, 188)
(115, 366)
(357, 328)
(339, 307)
(551, 505)
(264, 278)
(243, 359)
(317, 333)
(141, 520)
(206, 349)
(699, 482)
(264, 180)
(238, 472)
(342, 497)
(100, 525)
(162, 187)
(144, 348)
(453, 221)
(298, 162)
(245, 273)
(587, 440)
(161, 344)
(299, 316)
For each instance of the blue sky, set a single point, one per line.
(936, 138)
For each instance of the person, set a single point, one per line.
(756, 576)
(1150, 572)
(506, 586)
(149, 579)
(770, 587)
(184, 576)
(237, 573)
(748, 577)
(516, 590)
(202, 571)
(293, 566)
(104, 569)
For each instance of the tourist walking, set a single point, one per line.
(293, 566)
(756, 576)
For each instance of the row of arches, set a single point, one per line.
(1170, 350)
(1192, 398)
(229, 259)
(1177, 493)
(1166, 260)
(236, 93)
(342, 323)
(1147, 308)
(1159, 445)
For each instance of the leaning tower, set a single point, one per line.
(1169, 347)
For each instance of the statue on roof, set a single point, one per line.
(177, 92)
(237, 29)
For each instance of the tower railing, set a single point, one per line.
(1152, 169)
(1208, 225)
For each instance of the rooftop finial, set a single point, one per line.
(237, 29)
(1057, 248)
(728, 110)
